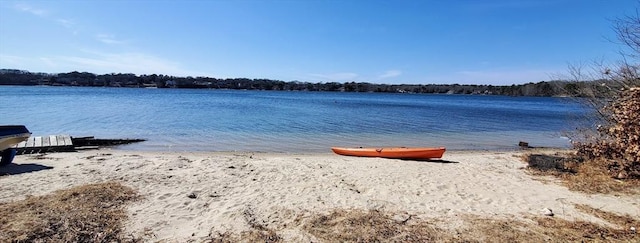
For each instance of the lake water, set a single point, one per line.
(281, 121)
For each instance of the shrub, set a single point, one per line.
(619, 142)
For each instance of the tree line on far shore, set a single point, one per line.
(543, 88)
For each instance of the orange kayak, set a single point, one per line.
(393, 152)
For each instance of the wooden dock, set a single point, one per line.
(44, 144)
(66, 143)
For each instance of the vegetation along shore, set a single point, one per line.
(542, 88)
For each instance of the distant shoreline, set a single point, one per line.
(557, 88)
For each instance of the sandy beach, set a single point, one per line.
(190, 195)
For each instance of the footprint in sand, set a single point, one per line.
(165, 196)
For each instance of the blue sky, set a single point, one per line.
(415, 42)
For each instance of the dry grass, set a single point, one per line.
(543, 229)
(95, 213)
(626, 222)
(594, 177)
(372, 226)
(540, 229)
(253, 235)
(258, 233)
(591, 176)
(89, 213)
(345, 226)
(579, 230)
(380, 226)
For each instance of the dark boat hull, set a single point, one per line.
(12, 135)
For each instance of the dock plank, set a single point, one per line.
(67, 140)
(61, 141)
(31, 141)
(46, 144)
(53, 140)
(45, 141)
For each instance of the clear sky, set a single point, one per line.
(379, 41)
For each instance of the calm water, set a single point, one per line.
(276, 121)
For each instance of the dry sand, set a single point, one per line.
(189, 195)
